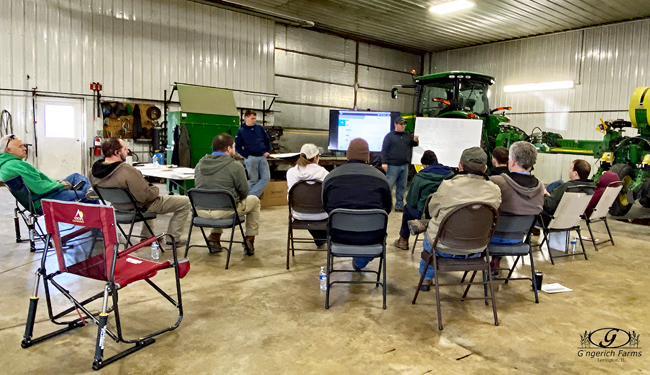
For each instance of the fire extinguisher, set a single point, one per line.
(97, 146)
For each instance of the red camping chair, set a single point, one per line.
(89, 248)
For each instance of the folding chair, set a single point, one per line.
(600, 212)
(219, 200)
(90, 249)
(514, 227)
(126, 210)
(466, 227)
(425, 215)
(369, 223)
(565, 219)
(305, 198)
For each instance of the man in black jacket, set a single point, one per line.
(578, 182)
(357, 185)
(395, 159)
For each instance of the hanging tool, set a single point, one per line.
(7, 123)
(34, 118)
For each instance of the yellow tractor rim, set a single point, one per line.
(622, 197)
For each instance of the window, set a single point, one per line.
(59, 121)
(473, 97)
(437, 90)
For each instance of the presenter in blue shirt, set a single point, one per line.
(396, 153)
(254, 145)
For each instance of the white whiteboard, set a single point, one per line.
(447, 137)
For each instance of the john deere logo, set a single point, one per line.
(601, 343)
(79, 217)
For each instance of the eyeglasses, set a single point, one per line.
(11, 138)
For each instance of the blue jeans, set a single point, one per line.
(71, 195)
(396, 176)
(361, 262)
(258, 174)
(553, 185)
(430, 271)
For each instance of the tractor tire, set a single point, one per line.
(644, 194)
(622, 205)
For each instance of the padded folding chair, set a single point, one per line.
(220, 200)
(514, 227)
(466, 227)
(425, 215)
(342, 222)
(565, 219)
(600, 212)
(305, 197)
(91, 250)
(126, 210)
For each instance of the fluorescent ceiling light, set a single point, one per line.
(451, 6)
(539, 86)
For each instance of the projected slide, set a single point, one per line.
(446, 137)
(371, 126)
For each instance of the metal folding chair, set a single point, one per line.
(600, 212)
(126, 210)
(565, 219)
(305, 197)
(368, 227)
(425, 215)
(90, 249)
(467, 227)
(218, 200)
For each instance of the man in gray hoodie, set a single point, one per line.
(220, 171)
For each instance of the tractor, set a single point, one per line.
(462, 94)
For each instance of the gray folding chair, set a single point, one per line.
(356, 233)
(514, 227)
(217, 200)
(465, 228)
(566, 219)
(126, 210)
(304, 197)
(600, 212)
(425, 215)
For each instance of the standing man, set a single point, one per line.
(113, 172)
(219, 171)
(395, 159)
(254, 145)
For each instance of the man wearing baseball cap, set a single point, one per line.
(471, 184)
(395, 159)
(357, 185)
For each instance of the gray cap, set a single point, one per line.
(400, 120)
(474, 157)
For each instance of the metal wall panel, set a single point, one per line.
(134, 48)
(606, 63)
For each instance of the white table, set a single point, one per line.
(169, 172)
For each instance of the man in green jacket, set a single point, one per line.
(220, 171)
(425, 183)
(12, 153)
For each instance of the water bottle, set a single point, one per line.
(574, 241)
(157, 159)
(155, 251)
(322, 276)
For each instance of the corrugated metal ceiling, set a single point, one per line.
(409, 24)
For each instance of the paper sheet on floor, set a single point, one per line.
(555, 288)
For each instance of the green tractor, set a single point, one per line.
(461, 94)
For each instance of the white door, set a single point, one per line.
(59, 146)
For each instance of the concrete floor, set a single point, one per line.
(258, 318)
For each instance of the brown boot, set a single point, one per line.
(214, 243)
(401, 243)
(249, 249)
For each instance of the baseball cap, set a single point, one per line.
(474, 157)
(400, 120)
(309, 150)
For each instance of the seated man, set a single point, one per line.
(578, 182)
(499, 161)
(12, 153)
(521, 192)
(471, 184)
(425, 183)
(357, 185)
(219, 171)
(113, 172)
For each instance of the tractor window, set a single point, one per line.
(440, 90)
(472, 97)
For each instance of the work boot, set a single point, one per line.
(401, 243)
(214, 243)
(494, 265)
(249, 249)
(417, 226)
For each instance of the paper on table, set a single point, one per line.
(285, 155)
(555, 288)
